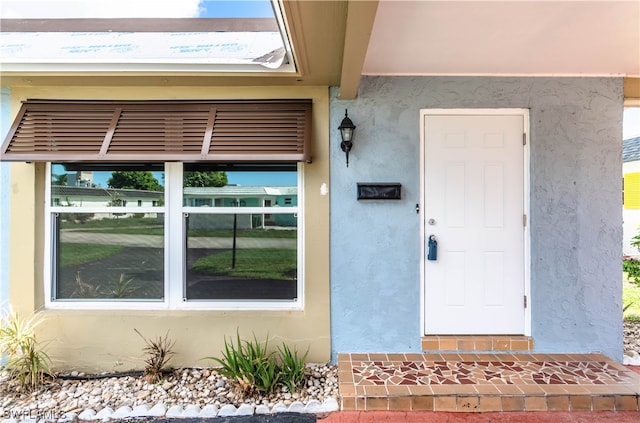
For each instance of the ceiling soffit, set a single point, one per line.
(522, 38)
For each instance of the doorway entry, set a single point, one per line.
(475, 205)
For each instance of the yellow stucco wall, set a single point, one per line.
(630, 215)
(104, 340)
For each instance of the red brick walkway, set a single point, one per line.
(514, 417)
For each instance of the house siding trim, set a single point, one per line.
(5, 119)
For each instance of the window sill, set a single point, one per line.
(186, 306)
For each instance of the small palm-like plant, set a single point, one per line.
(27, 362)
(159, 352)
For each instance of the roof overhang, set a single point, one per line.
(316, 30)
(333, 43)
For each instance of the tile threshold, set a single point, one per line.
(479, 343)
(479, 382)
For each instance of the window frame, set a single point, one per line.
(174, 261)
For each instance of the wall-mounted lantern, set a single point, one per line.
(347, 132)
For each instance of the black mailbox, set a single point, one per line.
(379, 191)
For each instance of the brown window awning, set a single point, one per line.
(158, 131)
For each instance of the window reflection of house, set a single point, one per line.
(247, 196)
(71, 196)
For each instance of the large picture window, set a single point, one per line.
(220, 236)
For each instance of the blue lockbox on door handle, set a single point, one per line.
(433, 248)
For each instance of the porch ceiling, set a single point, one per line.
(335, 42)
(506, 38)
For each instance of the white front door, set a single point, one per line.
(474, 206)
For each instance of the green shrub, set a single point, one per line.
(27, 362)
(631, 265)
(632, 268)
(248, 364)
(255, 369)
(630, 298)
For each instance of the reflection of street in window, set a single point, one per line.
(110, 243)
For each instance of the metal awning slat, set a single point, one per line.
(190, 130)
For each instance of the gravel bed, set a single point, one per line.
(183, 393)
(632, 342)
(189, 392)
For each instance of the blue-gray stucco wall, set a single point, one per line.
(575, 215)
(5, 116)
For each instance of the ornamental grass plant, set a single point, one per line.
(27, 362)
(292, 368)
(158, 353)
(249, 365)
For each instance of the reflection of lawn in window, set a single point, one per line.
(251, 263)
(123, 222)
(96, 271)
(124, 225)
(72, 254)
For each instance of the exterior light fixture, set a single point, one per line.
(347, 132)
